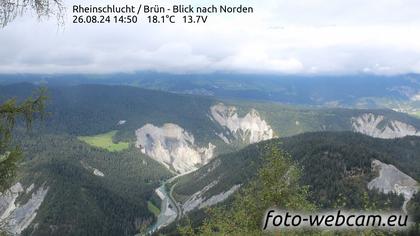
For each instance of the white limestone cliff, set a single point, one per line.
(199, 201)
(249, 129)
(173, 146)
(15, 218)
(376, 126)
(393, 180)
(94, 171)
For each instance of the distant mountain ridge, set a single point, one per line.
(400, 92)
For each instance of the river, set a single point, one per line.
(169, 209)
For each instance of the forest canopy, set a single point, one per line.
(10, 112)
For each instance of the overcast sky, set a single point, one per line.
(281, 37)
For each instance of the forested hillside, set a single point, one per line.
(90, 190)
(351, 91)
(291, 120)
(93, 109)
(70, 186)
(93, 159)
(336, 166)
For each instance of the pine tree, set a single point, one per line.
(276, 185)
(10, 112)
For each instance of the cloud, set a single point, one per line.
(284, 37)
(255, 58)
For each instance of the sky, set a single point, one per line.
(281, 37)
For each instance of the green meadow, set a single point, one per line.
(105, 141)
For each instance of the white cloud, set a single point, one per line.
(302, 36)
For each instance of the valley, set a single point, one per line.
(209, 118)
(115, 153)
(169, 209)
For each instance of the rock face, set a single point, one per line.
(197, 200)
(376, 126)
(172, 146)
(391, 179)
(249, 129)
(14, 217)
(94, 171)
(213, 200)
(98, 173)
(121, 122)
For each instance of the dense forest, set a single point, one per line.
(119, 198)
(276, 185)
(93, 109)
(335, 167)
(334, 164)
(82, 203)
